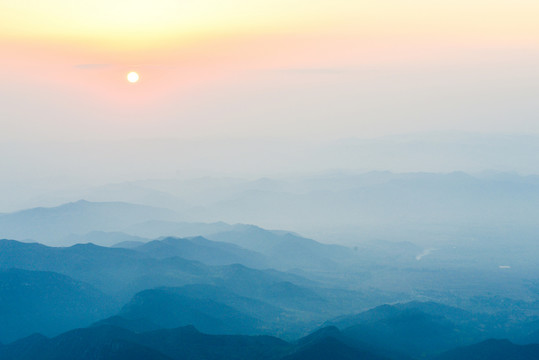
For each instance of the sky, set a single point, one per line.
(261, 88)
(316, 69)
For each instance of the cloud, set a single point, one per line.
(328, 70)
(424, 253)
(92, 66)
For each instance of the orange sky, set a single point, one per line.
(66, 61)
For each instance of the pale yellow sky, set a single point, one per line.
(214, 72)
(316, 68)
(127, 24)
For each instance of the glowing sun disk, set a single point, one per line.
(132, 77)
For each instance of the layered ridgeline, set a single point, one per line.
(341, 205)
(133, 226)
(117, 342)
(227, 298)
(106, 342)
(218, 300)
(159, 275)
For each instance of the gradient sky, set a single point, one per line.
(293, 68)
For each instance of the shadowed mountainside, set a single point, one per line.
(223, 293)
(47, 302)
(112, 343)
(493, 350)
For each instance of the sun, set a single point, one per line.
(132, 77)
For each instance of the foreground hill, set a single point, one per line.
(330, 348)
(329, 343)
(107, 342)
(185, 343)
(47, 302)
(493, 350)
(93, 343)
(417, 329)
(207, 307)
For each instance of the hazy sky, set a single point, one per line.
(295, 68)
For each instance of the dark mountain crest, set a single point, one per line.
(111, 342)
(493, 349)
(329, 331)
(134, 325)
(330, 348)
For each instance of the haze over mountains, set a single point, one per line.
(340, 264)
(232, 282)
(51, 173)
(335, 207)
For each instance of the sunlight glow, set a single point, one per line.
(132, 77)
